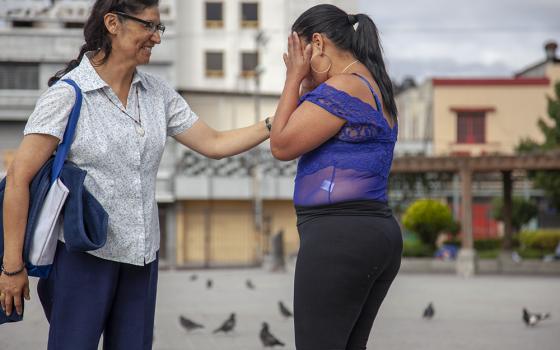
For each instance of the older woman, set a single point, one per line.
(125, 119)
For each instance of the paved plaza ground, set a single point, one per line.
(483, 312)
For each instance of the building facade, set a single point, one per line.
(478, 116)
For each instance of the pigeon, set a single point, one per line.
(193, 277)
(209, 283)
(249, 284)
(188, 324)
(228, 324)
(267, 338)
(284, 310)
(429, 312)
(532, 318)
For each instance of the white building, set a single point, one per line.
(415, 114)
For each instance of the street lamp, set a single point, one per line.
(260, 42)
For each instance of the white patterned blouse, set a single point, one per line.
(120, 148)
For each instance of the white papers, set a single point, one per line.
(45, 237)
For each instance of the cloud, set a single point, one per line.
(478, 37)
(422, 69)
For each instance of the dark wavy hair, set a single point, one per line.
(95, 33)
(363, 42)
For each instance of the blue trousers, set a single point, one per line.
(85, 296)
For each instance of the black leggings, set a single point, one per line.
(349, 255)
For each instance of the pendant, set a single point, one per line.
(140, 130)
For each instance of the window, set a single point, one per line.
(214, 64)
(19, 75)
(74, 25)
(22, 24)
(214, 15)
(249, 63)
(471, 127)
(249, 15)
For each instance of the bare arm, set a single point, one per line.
(33, 152)
(297, 130)
(219, 144)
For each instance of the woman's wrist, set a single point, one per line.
(12, 264)
(8, 271)
(293, 81)
(268, 123)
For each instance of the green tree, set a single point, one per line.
(548, 181)
(427, 218)
(522, 211)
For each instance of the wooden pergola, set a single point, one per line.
(466, 166)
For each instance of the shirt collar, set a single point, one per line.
(88, 79)
(139, 78)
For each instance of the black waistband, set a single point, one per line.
(350, 208)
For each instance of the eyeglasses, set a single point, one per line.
(150, 26)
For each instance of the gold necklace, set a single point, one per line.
(348, 66)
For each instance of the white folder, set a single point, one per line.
(45, 237)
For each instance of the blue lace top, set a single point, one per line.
(354, 164)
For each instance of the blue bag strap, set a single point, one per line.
(64, 147)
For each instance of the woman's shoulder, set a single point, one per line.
(153, 80)
(157, 85)
(348, 83)
(59, 91)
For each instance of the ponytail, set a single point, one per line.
(366, 46)
(363, 42)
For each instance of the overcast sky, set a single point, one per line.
(429, 38)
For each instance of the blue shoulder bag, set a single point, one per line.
(58, 199)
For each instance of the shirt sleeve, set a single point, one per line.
(51, 112)
(338, 103)
(179, 114)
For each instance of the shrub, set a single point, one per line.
(417, 249)
(456, 241)
(522, 211)
(484, 244)
(530, 253)
(488, 254)
(543, 240)
(427, 218)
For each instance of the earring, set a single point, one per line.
(315, 70)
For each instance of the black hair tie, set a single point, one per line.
(352, 19)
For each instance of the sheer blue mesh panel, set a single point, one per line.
(354, 164)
